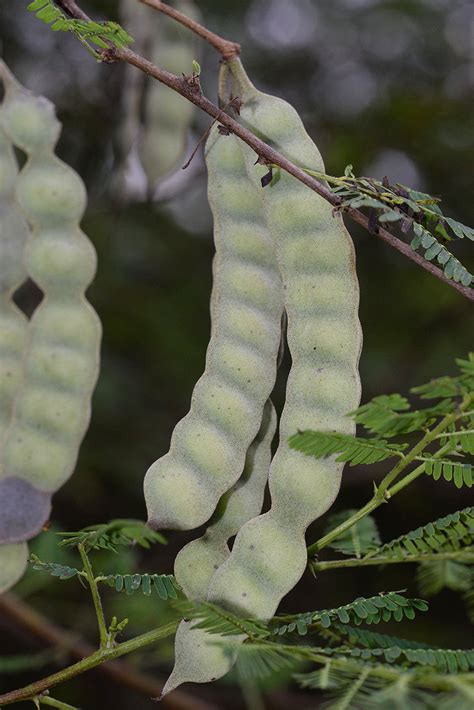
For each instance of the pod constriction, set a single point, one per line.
(316, 260)
(198, 561)
(209, 446)
(52, 405)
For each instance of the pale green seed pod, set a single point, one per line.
(209, 446)
(316, 259)
(156, 119)
(13, 561)
(13, 323)
(13, 327)
(60, 366)
(167, 116)
(198, 561)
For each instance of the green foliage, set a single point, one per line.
(460, 474)
(452, 267)
(383, 607)
(432, 577)
(413, 210)
(350, 449)
(216, 620)
(388, 415)
(452, 532)
(54, 569)
(109, 536)
(360, 538)
(164, 585)
(102, 34)
(371, 639)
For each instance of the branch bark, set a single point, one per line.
(190, 89)
(225, 47)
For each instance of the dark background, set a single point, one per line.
(384, 85)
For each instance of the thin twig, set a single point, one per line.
(225, 47)
(103, 635)
(38, 625)
(191, 91)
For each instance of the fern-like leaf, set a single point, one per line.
(102, 34)
(461, 474)
(450, 533)
(215, 620)
(350, 449)
(164, 585)
(432, 577)
(360, 538)
(388, 415)
(54, 569)
(433, 249)
(109, 536)
(383, 607)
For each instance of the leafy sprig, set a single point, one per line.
(109, 536)
(102, 34)
(415, 211)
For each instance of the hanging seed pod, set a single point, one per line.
(316, 260)
(52, 405)
(198, 561)
(13, 326)
(209, 446)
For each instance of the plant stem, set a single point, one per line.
(225, 47)
(384, 492)
(192, 92)
(103, 635)
(465, 556)
(100, 656)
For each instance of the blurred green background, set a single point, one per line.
(384, 85)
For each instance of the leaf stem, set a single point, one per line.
(103, 635)
(466, 556)
(100, 656)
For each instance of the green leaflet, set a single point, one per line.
(450, 532)
(60, 364)
(316, 261)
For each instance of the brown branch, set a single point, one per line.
(225, 47)
(35, 623)
(190, 89)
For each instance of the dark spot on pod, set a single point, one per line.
(23, 510)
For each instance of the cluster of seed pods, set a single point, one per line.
(57, 351)
(157, 120)
(315, 259)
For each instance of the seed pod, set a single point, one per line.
(156, 119)
(13, 323)
(13, 327)
(197, 562)
(167, 116)
(52, 406)
(316, 260)
(209, 446)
